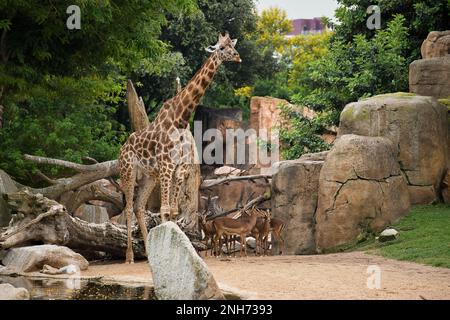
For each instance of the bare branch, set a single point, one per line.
(93, 191)
(63, 163)
(214, 182)
(258, 200)
(92, 160)
(45, 178)
(87, 174)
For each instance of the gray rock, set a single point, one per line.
(8, 292)
(388, 235)
(251, 242)
(233, 248)
(295, 186)
(33, 258)
(178, 271)
(6, 185)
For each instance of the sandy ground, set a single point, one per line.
(333, 276)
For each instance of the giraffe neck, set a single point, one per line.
(186, 101)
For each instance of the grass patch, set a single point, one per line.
(424, 237)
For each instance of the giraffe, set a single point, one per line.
(151, 150)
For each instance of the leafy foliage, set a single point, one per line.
(188, 35)
(300, 134)
(357, 69)
(59, 86)
(272, 28)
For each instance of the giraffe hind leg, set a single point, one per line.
(145, 189)
(127, 177)
(179, 177)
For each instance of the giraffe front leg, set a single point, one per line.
(145, 189)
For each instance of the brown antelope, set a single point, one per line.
(209, 231)
(276, 228)
(241, 227)
(261, 231)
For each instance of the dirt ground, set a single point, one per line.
(332, 276)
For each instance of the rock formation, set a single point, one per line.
(437, 44)
(361, 191)
(430, 76)
(418, 128)
(9, 292)
(295, 186)
(28, 259)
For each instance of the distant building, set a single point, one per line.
(306, 26)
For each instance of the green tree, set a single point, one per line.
(422, 16)
(60, 88)
(188, 35)
(272, 28)
(357, 69)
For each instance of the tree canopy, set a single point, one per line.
(60, 88)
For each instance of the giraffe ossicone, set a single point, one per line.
(152, 150)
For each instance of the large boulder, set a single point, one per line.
(430, 77)
(6, 186)
(418, 128)
(295, 186)
(361, 191)
(9, 292)
(437, 44)
(178, 271)
(33, 258)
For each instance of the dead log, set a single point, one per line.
(72, 200)
(39, 220)
(213, 182)
(136, 109)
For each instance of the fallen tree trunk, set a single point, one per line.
(72, 200)
(37, 219)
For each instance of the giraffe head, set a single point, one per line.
(225, 48)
